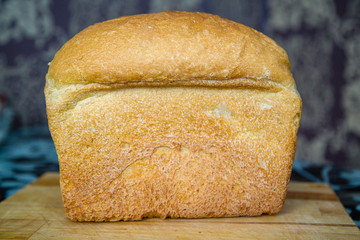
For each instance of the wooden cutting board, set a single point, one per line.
(311, 211)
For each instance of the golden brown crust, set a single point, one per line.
(134, 145)
(169, 46)
(131, 153)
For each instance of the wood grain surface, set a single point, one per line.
(311, 211)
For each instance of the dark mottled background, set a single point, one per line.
(322, 38)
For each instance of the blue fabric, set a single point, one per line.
(25, 155)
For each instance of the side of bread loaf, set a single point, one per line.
(169, 132)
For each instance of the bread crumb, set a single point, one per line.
(222, 110)
(265, 106)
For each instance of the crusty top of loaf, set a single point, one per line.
(167, 47)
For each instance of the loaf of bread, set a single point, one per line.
(172, 114)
